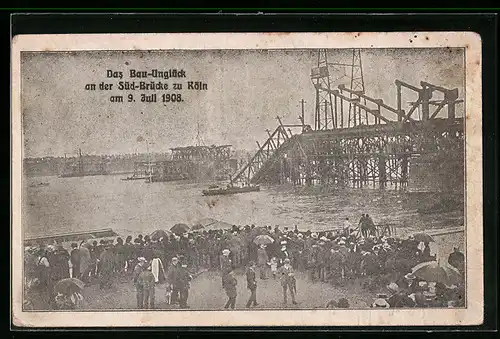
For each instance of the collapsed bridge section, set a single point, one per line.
(381, 146)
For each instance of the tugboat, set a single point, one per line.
(230, 189)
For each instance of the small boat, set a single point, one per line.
(136, 177)
(231, 190)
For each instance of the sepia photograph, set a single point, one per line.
(249, 173)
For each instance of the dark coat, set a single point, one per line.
(75, 257)
(172, 273)
(146, 279)
(282, 255)
(183, 278)
(137, 272)
(226, 264)
(229, 283)
(286, 276)
(262, 257)
(400, 300)
(251, 281)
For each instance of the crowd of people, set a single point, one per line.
(382, 263)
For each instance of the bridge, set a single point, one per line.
(361, 142)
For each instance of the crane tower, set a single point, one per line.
(329, 73)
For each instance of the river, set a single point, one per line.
(131, 207)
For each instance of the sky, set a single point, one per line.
(247, 89)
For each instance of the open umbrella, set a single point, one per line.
(263, 239)
(423, 237)
(180, 229)
(69, 286)
(432, 271)
(158, 234)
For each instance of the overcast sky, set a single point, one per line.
(246, 91)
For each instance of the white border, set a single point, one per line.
(473, 315)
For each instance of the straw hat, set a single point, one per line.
(283, 242)
(341, 242)
(226, 251)
(380, 303)
(410, 276)
(141, 259)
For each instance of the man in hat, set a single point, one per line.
(298, 257)
(262, 260)
(172, 276)
(43, 270)
(288, 281)
(251, 284)
(60, 266)
(323, 256)
(146, 279)
(312, 261)
(409, 283)
(138, 269)
(229, 283)
(184, 278)
(107, 264)
(335, 266)
(85, 262)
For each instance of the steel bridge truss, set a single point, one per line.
(373, 151)
(267, 154)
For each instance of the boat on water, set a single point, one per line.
(230, 190)
(135, 178)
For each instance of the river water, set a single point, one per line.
(132, 207)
